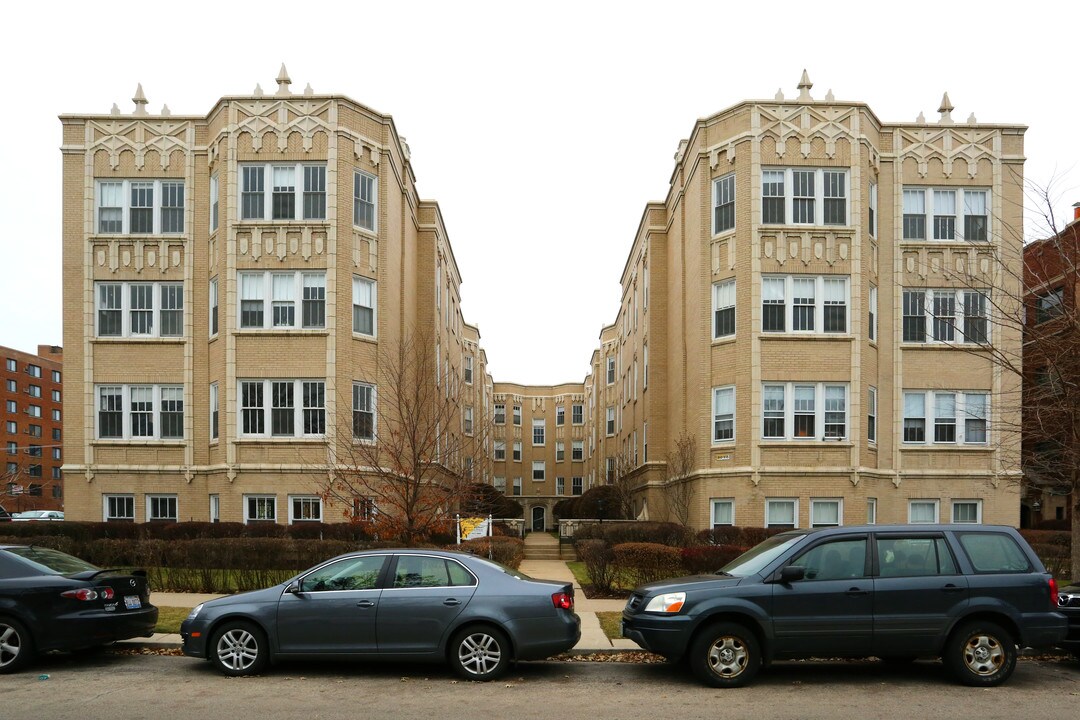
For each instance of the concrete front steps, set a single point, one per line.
(544, 546)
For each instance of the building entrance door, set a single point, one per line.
(539, 515)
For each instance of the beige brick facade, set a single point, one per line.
(775, 387)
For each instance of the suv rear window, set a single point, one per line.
(994, 553)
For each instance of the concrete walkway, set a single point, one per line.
(593, 638)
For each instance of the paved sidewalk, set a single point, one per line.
(593, 638)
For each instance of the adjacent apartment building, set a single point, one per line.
(31, 394)
(231, 282)
(811, 303)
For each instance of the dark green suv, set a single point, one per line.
(969, 594)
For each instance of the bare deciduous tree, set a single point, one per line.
(678, 490)
(408, 451)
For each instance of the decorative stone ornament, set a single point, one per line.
(283, 82)
(945, 110)
(804, 87)
(140, 101)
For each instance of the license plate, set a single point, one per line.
(132, 602)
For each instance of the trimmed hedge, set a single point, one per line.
(706, 559)
(85, 531)
(661, 533)
(599, 563)
(509, 551)
(647, 562)
(746, 537)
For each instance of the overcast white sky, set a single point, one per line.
(542, 129)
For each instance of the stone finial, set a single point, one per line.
(829, 97)
(139, 100)
(283, 82)
(804, 87)
(921, 119)
(258, 91)
(971, 119)
(165, 112)
(308, 90)
(115, 109)
(779, 95)
(945, 110)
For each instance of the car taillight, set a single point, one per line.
(106, 593)
(84, 594)
(564, 601)
(1053, 594)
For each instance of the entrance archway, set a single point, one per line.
(539, 518)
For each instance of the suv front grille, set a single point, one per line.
(1068, 600)
(634, 602)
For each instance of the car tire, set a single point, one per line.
(16, 645)
(239, 648)
(725, 655)
(480, 652)
(980, 654)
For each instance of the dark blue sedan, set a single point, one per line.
(402, 605)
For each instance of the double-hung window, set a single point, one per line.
(945, 417)
(140, 207)
(364, 192)
(577, 414)
(468, 369)
(118, 508)
(804, 411)
(260, 508)
(539, 470)
(269, 300)
(871, 416)
(724, 309)
(1049, 305)
(517, 415)
(805, 304)
(826, 512)
(577, 450)
(724, 203)
(213, 411)
(517, 451)
(576, 485)
(945, 315)
(467, 419)
(560, 415)
(538, 431)
(560, 451)
(213, 306)
(282, 408)
(946, 214)
(499, 414)
(363, 411)
(364, 298)
(804, 196)
(500, 450)
(610, 421)
(781, 512)
(723, 512)
(305, 508)
(161, 508)
(872, 320)
(280, 191)
(140, 309)
(723, 414)
(611, 371)
(214, 191)
(140, 412)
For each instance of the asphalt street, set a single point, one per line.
(117, 687)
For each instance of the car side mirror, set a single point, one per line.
(293, 588)
(792, 573)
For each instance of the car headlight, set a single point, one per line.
(669, 603)
(195, 611)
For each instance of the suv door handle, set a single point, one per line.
(365, 604)
(856, 591)
(952, 588)
(451, 602)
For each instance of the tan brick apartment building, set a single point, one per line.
(796, 303)
(31, 394)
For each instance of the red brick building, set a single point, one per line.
(31, 432)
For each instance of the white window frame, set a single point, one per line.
(821, 502)
(577, 451)
(267, 408)
(539, 466)
(930, 319)
(499, 483)
(714, 505)
(215, 417)
(130, 501)
(820, 394)
(296, 281)
(609, 426)
(723, 301)
(560, 486)
(499, 451)
(125, 207)
(873, 313)
(156, 291)
(517, 415)
(539, 431)
(929, 213)
(516, 450)
(213, 319)
(308, 500)
(818, 197)
(125, 412)
(577, 485)
(961, 417)
(723, 197)
(577, 414)
(873, 217)
(957, 503)
(871, 415)
(499, 418)
(517, 487)
(718, 417)
(358, 283)
(214, 203)
(560, 415)
(468, 369)
(150, 516)
(821, 284)
(467, 419)
(871, 511)
(270, 500)
(923, 501)
(774, 502)
(299, 184)
(611, 371)
(359, 176)
(374, 410)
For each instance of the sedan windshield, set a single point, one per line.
(756, 558)
(52, 562)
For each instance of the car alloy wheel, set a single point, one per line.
(239, 648)
(980, 653)
(480, 653)
(725, 655)
(15, 647)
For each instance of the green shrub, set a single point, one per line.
(709, 558)
(509, 551)
(599, 563)
(671, 534)
(647, 562)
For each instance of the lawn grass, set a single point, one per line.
(611, 622)
(578, 568)
(169, 619)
